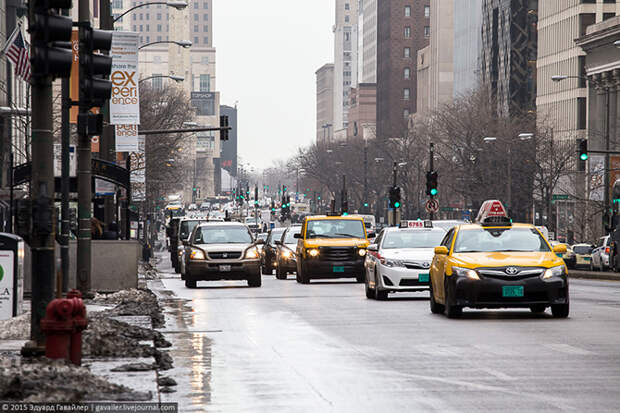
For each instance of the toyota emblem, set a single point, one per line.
(426, 264)
(224, 255)
(512, 270)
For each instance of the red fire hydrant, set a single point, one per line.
(79, 324)
(58, 326)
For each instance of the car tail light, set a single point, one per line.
(380, 258)
(606, 250)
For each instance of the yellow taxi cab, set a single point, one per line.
(331, 246)
(494, 263)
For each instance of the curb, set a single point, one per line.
(592, 275)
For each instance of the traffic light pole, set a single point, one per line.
(431, 164)
(107, 149)
(83, 170)
(41, 188)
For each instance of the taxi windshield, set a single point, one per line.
(500, 240)
(412, 239)
(335, 228)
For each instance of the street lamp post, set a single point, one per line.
(183, 43)
(173, 77)
(179, 5)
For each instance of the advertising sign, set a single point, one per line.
(138, 176)
(204, 102)
(204, 141)
(6, 284)
(74, 81)
(126, 138)
(125, 100)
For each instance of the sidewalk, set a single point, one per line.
(124, 357)
(594, 275)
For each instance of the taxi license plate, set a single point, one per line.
(225, 268)
(423, 278)
(338, 269)
(512, 291)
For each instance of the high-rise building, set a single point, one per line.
(362, 111)
(467, 45)
(345, 61)
(436, 88)
(162, 26)
(367, 43)
(228, 154)
(403, 28)
(325, 103)
(563, 105)
(508, 59)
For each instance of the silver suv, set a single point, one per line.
(221, 251)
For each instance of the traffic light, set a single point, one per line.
(431, 183)
(223, 124)
(51, 56)
(395, 197)
(95, 67)
(583, 149)
(256, 196)
(344, 203)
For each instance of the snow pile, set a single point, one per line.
(45, 380)
(16, 328)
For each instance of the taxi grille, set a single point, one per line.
(422, 265)
(225, 255)
(337, 253)
(508, 272)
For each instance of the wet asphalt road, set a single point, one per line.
(323, 347)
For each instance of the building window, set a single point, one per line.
(427, 31)
(158, 16)
(608, 15)
(148, 39)
(117, 4)
(427, 11)
(406, 93)
(141, 16)
(407, 73)
(156, 82)
(159, 38)
(407, 52)
(206, 39)
(195, 4)
(205, 6)
(196, 17)
(148, 27)
(195, 40)
(134, 17)
(407, 32)
(347, 6)
(205, 83)
(195, 27)
(159, 27)
(204, 60)
(581, 113)
(206, 17)
(346, 19)
(407, 11)
(406, 114)
(205, 28)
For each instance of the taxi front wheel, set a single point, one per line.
(436, 308)
(560, 310)
(452, 311)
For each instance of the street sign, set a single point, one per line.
(432, 205)
(557, 197)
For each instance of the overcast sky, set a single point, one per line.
(267, 53)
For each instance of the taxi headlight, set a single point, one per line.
(251, 253)
(286, 253)
(313, 252)
(362, 252)
(196, 254)
(553, 272)
(466, 272)
(393, 263)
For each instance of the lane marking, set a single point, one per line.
(568, 349)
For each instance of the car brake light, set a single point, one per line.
(606, 250)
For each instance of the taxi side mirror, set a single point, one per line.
(560, 249)
(441, 250)
(298, 236)
(373, 248)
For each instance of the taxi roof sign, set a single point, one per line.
(493, 212)
(416, 224)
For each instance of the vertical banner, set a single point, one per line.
(126, 138)
(6, 284)
(125, 101)
(138, 172)
(74, 80)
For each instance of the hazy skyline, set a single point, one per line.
(267, 53)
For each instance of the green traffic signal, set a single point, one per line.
(396, 204)
(434, 191)
(583, 157)
(365, 204)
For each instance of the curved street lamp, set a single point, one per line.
(183, 43)
(179, 5)
(173, 77)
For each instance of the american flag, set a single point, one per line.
(17, 52)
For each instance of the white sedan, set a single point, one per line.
(400, 260)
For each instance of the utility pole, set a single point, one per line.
(64, 180)
(84, 160)
(107, 149)
(365, 200)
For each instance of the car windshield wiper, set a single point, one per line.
(347, 235)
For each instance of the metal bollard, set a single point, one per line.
(58, 327)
